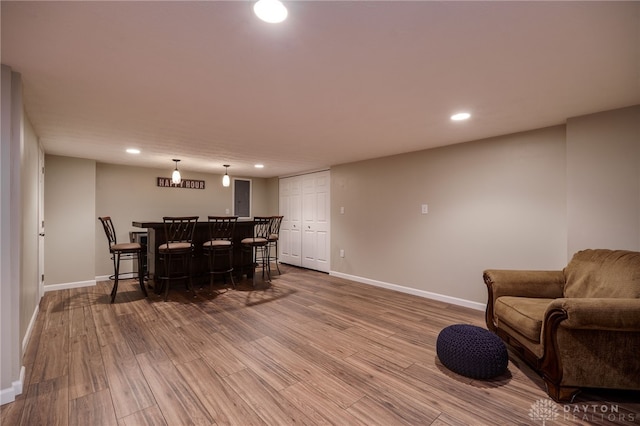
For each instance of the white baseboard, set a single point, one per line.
(9, 394)
(413, 291)
(27, 335)
(64, 286)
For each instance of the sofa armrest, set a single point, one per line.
(545, 284)
(502, 282)
(599, 313)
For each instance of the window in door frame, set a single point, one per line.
(233, 196)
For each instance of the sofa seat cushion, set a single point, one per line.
(603, 273)
(523, 314)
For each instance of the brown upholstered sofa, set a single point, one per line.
(579, 327)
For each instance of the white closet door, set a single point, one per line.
(290, 242)
(305, 229)
(315, 221)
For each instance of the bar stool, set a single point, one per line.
(220, 244)
(178, 248)
(274, 234)
(256, 245)
(120, 251)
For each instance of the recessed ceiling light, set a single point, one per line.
(272, 11)
(460, 116)
(259, 166)
(133, 151)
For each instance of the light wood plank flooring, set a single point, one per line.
(309, 349)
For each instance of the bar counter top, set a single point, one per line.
(160, 224)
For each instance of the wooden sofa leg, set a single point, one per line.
(561, 393)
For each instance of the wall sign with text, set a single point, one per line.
(186, 183)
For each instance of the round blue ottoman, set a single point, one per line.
(472, 351)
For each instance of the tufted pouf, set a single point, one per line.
(472, 351)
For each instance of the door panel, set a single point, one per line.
(316, 213)
(305, 205)
(322, 250)
(289, 239)
(242, 198)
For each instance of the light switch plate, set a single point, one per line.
(425, 208)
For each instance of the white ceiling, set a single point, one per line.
(210, 84)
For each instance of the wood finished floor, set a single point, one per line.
(309, 349)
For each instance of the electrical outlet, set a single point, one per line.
(341, 252)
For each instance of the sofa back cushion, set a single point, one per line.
(603, 273)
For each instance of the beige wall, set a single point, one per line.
(495, 203)
(272, 196)
(77, 191)
(30, 288)
(603, 180)
(70, 215)
(130, 194)
(523, 201)
(19, 202)
(11, 284)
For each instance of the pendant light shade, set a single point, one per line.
(272, 11)
(175, 176)
(226, 180)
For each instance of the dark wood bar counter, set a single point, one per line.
(156, 236)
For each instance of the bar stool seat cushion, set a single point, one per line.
(254, 241)
(472, 351)
(174, 246)
(216, 243)
(273, 237)
(126, 247)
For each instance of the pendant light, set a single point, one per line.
(226, 181)
(175, 176)
(272, 11)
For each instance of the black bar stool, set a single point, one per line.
(220, 245)
(120, 251)
(178, 248)
(274, 234)
(256, 245)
